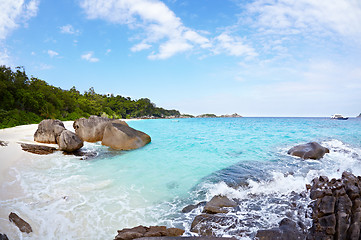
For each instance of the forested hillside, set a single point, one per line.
(25, 100)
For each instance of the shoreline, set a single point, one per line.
(11, 158)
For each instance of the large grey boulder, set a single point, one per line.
(92, 129)
(121, 137)
(48, 131)
(311, 150)
(69, 141)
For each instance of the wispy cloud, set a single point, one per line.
(161, 26)
(14, 13)
(89, 57)
(52, 53)
(234, 46)
(342, 17)
(69, 29)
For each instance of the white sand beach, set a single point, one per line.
(12, 158)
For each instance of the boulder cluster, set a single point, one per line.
(336, 207)
(112, 132)
(53, 131)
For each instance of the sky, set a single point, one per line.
(251, 57)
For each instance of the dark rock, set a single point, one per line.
(92, 129)
(311, 150)
(148, 232)
(187, 238)
(354, 231)
(3, 237)
(327, 205)
(20, 223)
(128, 235)
(174, 232)
(218, 204)
(156, 231)
(207, 224)
(48, 131)
(344, 204)
(287, 230)
(343, 223)
(122, 137)
(189, 208)
(316, 193)
(85, 155)
(69, 141)
(328, 224)
(37, 149)
(3, 143)
(337, 216)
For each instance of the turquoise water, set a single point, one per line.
(188, 161)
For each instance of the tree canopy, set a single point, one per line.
(25, 101)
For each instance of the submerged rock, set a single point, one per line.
(311, 150)
(85, 155)
(121, 137)
(152, 231)
(20, 223)
(49, 131)
(189, 208)
(3, 143)
(37, 149)
(92, 129)
(208, 224)
(69, 141)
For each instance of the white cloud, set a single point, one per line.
(89, 57)
(141, 46)
(52, 53)
(68, 29)
(15, 12)
(233, 46)
(161, 26)
(342, 17)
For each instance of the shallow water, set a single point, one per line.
(188, 161)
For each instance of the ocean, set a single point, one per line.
(187, 162)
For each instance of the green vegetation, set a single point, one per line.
(25, 101)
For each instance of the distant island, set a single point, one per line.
(25, 100)
(359, 116)
(211, 115)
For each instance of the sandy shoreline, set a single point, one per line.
(11, 158)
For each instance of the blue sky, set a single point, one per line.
(254, 57)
